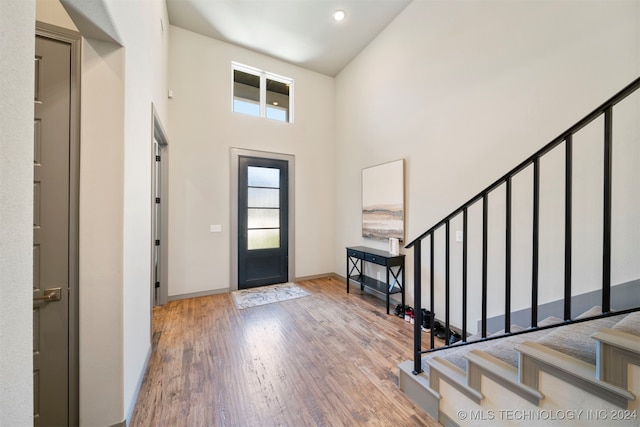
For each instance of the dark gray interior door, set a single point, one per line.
(159, 212)
(51, 232)
(263, 227)
(156, 230)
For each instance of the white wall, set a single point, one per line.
(466, 90)
(144, 29)
(101, 242)
(16, 210)
(203, 129)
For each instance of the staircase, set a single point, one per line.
(585, 373)
(546, 366)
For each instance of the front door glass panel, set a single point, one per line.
(263, 208)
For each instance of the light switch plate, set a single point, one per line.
(459, 236)
(215, 228)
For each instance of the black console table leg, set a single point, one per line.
(387, 282)
(403, 282)
(347, 273)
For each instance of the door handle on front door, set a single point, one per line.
(50, 295)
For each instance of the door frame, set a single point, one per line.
(236, 153)
(159, 134)
(74, 40)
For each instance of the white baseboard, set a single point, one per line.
(198, 294)
(132, 404)
(316, 276)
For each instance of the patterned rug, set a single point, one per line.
(245, 298)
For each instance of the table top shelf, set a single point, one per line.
(378, 252)
(379, 286)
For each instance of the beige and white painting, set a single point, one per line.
(383, 201)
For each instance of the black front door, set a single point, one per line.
(263, 250)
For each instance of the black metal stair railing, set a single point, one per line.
(566, 138)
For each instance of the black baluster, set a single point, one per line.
(507, 263)
(536, 226)
(432, 305)
(464, 274)
(606, 237)
(568, 224)
(417, 295)
(485, 216)
(447, 285)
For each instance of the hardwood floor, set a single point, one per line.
(329, 359)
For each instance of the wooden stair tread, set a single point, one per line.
(570, 365)
(508, 374)
(454, 376)
(619, 339)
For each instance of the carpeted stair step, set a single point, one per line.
(575, 340)
(444, 354)
(630, 324)
(504, 349)
(456, 356)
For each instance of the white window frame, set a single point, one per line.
(264, 75)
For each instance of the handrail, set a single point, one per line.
(630, 88)
(565, 137)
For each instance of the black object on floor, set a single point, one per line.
(399, 311)
(454, 337)
(439, 330)
(427, 317)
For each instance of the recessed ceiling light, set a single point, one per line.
(339, 15)
(275, 102)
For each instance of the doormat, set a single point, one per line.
(245, 298)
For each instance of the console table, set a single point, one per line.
(358, 256)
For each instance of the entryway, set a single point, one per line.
(262, 218)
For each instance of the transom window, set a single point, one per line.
(262, 94)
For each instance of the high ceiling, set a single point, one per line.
(302, 32)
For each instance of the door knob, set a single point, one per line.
(50, 295)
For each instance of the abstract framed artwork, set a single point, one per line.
(383, 201)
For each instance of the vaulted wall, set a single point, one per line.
(464, 91)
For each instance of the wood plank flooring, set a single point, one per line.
(329, 359)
